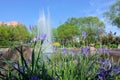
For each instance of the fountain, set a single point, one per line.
(45, 28)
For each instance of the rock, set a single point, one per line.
(92, 45)
(115, 55)
(92, 50)
(119, 46)
(14, 54)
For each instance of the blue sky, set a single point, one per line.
(28, 11)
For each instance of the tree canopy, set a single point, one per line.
(13, 33)
(91, 25)
(67, 31)
(54, 34)
(72, 29)
(113, 14)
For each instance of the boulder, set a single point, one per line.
(14, 54)
(92, 50)
(119, 46)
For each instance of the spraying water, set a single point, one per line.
(45, 28)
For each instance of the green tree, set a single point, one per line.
(113, 14)
(4, 32)
(91, 25)
(22, 33)
(67, 32)
(54, 34)
(12, 34)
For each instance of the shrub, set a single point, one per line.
(97, 45)
(10, 34)
(113, 46)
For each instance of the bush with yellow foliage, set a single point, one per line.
(56, 44)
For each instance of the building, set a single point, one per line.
(1, 23)
(11, 23)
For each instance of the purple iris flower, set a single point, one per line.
(107, 51)
(85, 51)
(72, 52)
(84, 34)
(55, 78)
(105, 69)
(31, 27)
(103, 73)
(41, 37)
(98, 51)
(64, 51)
(101, 78)
(16, 65)
(22, 69)
(33, 78)
(103, 49)
(117, 69)
(106, 64)
(82, 50)
(55, 48)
